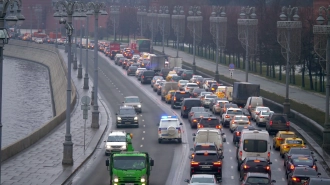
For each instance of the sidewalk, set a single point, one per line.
(41, 164)
(299, 95)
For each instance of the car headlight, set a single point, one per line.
(119, 118)
(135, 118)
(123, 147)
(139, 106)
(115, 179)
(143, 179)
(108, 146)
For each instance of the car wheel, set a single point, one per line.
(179, 140)
(159, 140)
(238, 168)
(117, 126)
(137, 126)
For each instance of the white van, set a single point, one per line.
(229, 93)
(252, 102)
(209, 135)
(253, 143)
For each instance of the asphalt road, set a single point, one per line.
(171, 160)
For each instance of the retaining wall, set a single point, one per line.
(47, 55)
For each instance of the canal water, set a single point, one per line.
(27, 101)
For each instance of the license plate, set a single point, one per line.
(129, 183)
(205, 166)
(127, 122)
(164, 134)
(303, 181)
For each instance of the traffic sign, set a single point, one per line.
(231, 66)
(85, 100)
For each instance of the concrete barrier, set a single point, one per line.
(48, 56)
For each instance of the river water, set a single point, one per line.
(27, 102)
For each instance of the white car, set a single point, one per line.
(116, 142)
(205, 179)
(255, 113)
(169, 129)
(38, 41)
(139, 70)
(190, 85)
(228, 116)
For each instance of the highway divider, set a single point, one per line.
(48, 56)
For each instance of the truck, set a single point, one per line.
(129, 167)
(114, 49)
(140, 45)
(174, 62)
(156, 63)
(242, 91)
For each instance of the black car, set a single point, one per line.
(176, 78)
(179, 72)
(131, 70)
(297, 151)
(206, 162)
(205, 146)
(154, 79)
(147, 76)
(178, 97)
(209, 122)
(186, 105)
(254, 164)
(164, 72)
(318, 181)
(126, 116)
(300, 175)
(252, 178)
(195, 117)
(113, 54)
(213, 101)
(299, 160)
(237, 132)
(196, 92)
(277, 122)
(187, 74)
(125, 64)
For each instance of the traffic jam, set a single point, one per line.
(234, 138)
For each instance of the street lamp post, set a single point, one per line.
(248, 34)
(69, 8)
(323, 31)
(86, 78)
(74, 22)
(11, 19)
(114, 16)
(30, 8)
(195, 25)
(96, 8)
(152, 21)
(141, 18)
(163, 22)
(218, 29)
(80, 16)
(178, 25)
(289, 37)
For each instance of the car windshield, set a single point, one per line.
(305, 171)
(197, 109)
(206, 157)
(129, 162)
(235, 112)
(258, 180)
(188, 72)
(116, 139)
(201, 114)
(192, 85)
(210, 97)
(127, 111)
(209, 122)
(258, 146)
(294, 141)
(303, 161)
(286, 135)
(300, 151)
(265, 113)
(231, 106)
(168, 122)
(202, 180)
(132, 100)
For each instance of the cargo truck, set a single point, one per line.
(174, 62)
(140, 45)
(156, 63)
(242, 91)
(129, 167)
(114, 49)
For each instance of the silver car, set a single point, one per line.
(133, 101)
(262, 117)
(202, 179)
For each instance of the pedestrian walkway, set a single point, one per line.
(41, 164)
(314, 100)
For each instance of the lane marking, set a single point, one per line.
(143, 138)
(144, 132)
(275, 160)
(272, 152)
(232, 177)
(232, 167)
(231, 158)
(229, 150)
(141, 146)
(283, 179)
(227, 143)
(143, 120)
(144, 125)
(279, 169)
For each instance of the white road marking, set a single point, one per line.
(232, 167)
(231, 158)
(144, 131)
(232, 177)
(283, 179)
(272, 152)
(143, 120)
(144, 125)
(279, 169)
(143, 138)
(227, 143)
(229, 150)
(141, 146)
(275, 160)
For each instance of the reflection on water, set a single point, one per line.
(27, 102)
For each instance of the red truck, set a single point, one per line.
(114, 49)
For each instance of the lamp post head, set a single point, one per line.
(296, 17)
(320, 19)
(213, 14)
(223, 14)
(283, 17)
(20, 17)
(103, 12)
(242, 15)
(199, 13)
(174, 11)
(190, 12)
(11, 18)
(253, 15)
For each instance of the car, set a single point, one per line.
(252, 178)
(195, 109)
(39, 41)
(124, 63)
(318, 181)
(129, 63)
(255, 164)
(207, 99)
(187, 74)
(131, 70)
(133, 101)
(279, 138)
(205, 146)
(117, 56)
(288, 143)
(159, 87)
(257, 110)
(195, 93)
(146, 76)
(206, 162)
(277, 122)
(298, 160)
(182, 83)
(207, 84)
(139, 70)
(193, 77)
(195, 117)
(164, 72)
(300, 175)
(178, 97)
(154, 79)
(238, 131)
(187, 104)
(176, 69)
(297, 151)
(126, 116)
(116, 142)
(238, 120)
(180, 71)
(121, 61)
(262, 117)
(205, 93)
(202, 179)
(219, 105)
(228, 116)
(189, 86)
(209, 122)
(226, 106)
(176, 78)
(169, 129)
(156, 84)
(213, 101)
(169, 95)
(210, 135)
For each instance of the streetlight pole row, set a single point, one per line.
(178, 25)
(114, 12)
(152, 20)
(163, 23)
(141, 18)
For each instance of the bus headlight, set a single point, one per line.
(143, 179)
(115, 179)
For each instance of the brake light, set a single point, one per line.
(268, 155)
(193, 163)
(295, 179)
(279, 138)
(267, 167)
(184, 107)
(212, 89)
(314, 167)
(200, 126)
(270, 122)
(240, 154)
(285, 146)
(218, 127)
(249, 106)
(291, 167)
(159, 131)
(218, 163)
(179, 131)
(191, 113)
(174, 98)
(288, 123)
(261, 117)
(142, 76)
(238, 133)
(194, 120)
(246, 166)
(227, 116)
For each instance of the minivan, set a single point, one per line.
(186, 105)
(187, 74)
(252, 102)
(210, 135)
(253, 143)
(147, 76)
(178, 97)
(277, 122)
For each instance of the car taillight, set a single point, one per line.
(246, 166)
(267, 167)
(191, 113)
(227, 116)
(288, 123)
(291, 167)
(314, 167)
(142, 76)
(200, 126)
(295, 179)
(218, 163)
(184, 107)
(270, 122)
(238, 133)
(193, 163)
(194, 120)
(240, 154)
(218, 126)
(212, 89)
(174, 99)
(179, 131)
(279, 139)
(218, 105)
(261, 117)
(285, 146)
(159, 131)
(268, 155)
